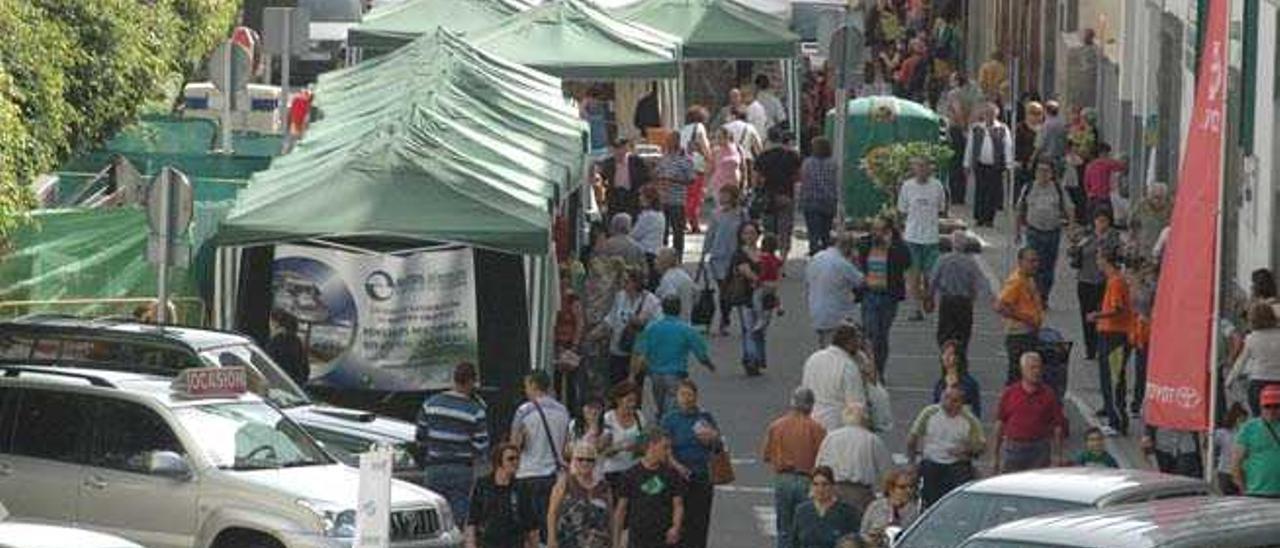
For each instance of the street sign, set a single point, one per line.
(286, 28)
(169, 203)
(230, 68)
(213, 382)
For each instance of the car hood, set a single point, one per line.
(335, 484)
(352, 422)
(31, 535)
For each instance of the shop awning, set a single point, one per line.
(390, 27)
(716, 29)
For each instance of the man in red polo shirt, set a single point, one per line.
(1097, 178)
(1029, 422)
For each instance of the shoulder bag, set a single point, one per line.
(551, 440)
(627, 341)
(705, 308)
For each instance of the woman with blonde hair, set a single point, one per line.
(898, 506)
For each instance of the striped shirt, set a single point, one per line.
(676, 172)
(454, 429)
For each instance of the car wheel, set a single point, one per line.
(243, 538)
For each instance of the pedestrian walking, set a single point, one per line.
(1149, 218)
(1176, 452)
(1257, 451)
(579, 514)
(742, 133)
(651, 500)
(897, 506)
(498, 517)
(694, 438)
(944, 440)
(1029, 422)
(1051, 143)
(453, 429)
(674, 280)
(772, 105)
(727, 167)
(764, 297)
(922, 200)
(790, 448)
(1145, 273)
(665, 346)
(1043, 211)
(726, 113)
(1090, 280)
(858, 457)
(955, 375)
(818, 194)
(988, 153)
(623, 174)
(722, 245)
(1114, 321)
(1020, 305)
(540, 429)
(779, 169)
(955, 284)
(674, 173)
(1024, 144)
(1259, 361)
(696, 144)
(885, 260)
(1224, 439)
(1097, 178)
(1094, 454)
(633, 308)
(648, 229)
(620, 244)
(587, 429)
(833, 374)
(623, 427)
(744, 278)
(831, 278)
(570, 327)
(823, 521)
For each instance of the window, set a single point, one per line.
(279, 389)
(127, 433)
(956, 517)
(15, 347)
(249, 436)
(50, 425)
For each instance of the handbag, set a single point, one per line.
(627, 341)
(705, 308)
(720, 467)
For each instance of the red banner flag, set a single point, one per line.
(1182, 324)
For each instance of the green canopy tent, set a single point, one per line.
(387, 28)
(874, 122)
(724, 30)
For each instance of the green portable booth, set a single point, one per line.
(874, 122)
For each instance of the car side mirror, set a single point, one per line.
(168, 464)
(892, 533)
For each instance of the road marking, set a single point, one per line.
(743, 462)
(766, 520)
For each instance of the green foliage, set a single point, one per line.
(74, 71)
(889, 165)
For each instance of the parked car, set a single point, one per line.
(164, 463)
(18, 534)
(126, 345)
(1195, 522)
(985, 503)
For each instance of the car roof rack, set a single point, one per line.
(13, 371)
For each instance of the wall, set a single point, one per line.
(1255, 197)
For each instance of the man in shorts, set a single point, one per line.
(922, 200)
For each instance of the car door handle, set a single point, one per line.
(95, 482)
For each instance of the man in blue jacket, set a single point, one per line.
(665, 346)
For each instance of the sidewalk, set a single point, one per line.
(1064, 315)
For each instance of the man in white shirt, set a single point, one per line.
(758, 116)
(949, 437)
(775, 112)
(834, 377)
(987, 154)
(744, 134)
(858, 457)
(675, 281)
(830, 279)
(923, 199)
(540, 429)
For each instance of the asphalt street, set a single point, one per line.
(744, 406)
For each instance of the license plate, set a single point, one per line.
(414, 524)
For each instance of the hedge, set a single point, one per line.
(73, 72)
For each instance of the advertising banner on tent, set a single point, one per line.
(378, 321)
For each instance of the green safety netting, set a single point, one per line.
(403, 167)
(717, 29)
(387, 28)
(90, 254)
(572, 39)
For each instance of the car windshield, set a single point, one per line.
(965, 513)
(249, 436)
(280, 389)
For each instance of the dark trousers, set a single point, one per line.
(622, 200)
(1015, 346)
(955, 321)
(1139, 379)
(697, 513)
(1183, 464)
(818, 225)
(1046, 244)
(986, 193)
(1076, 195)
(1113, 349)
(957, 182)
(726, 309)
(939, 479)
(1090, 297)
(535, 494)
(675, 229)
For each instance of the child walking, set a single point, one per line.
(765, 296)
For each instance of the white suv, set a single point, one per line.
(122, 453)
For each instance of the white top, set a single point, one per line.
(538, 458)
(855, 455)
(676, 282)
(987, 150)
(944, 434)
(772, 106)
(835, 380)
(647, 232)
(923, 203)
(758, 117)
(1260, 359)
(621, 437)
(745, 135)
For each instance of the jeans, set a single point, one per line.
(1016, 456)
(818, 225)
(1090, 297)
(1112, 353)
(675, 228)
(535, 494)
(753, 350)
(878, 311)
(789, 492)
(664, 391)
(1045, 243)
(453, 482)
(939, 479)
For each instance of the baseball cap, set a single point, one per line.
(1271, 395)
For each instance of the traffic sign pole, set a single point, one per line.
(228, 94)
(162, 282)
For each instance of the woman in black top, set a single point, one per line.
(744, 273)
(496, 518)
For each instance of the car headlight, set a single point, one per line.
(446, 517)
(334, 523)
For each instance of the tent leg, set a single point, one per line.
(793, 94)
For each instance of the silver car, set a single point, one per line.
(18, 534)
(1000, 499)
